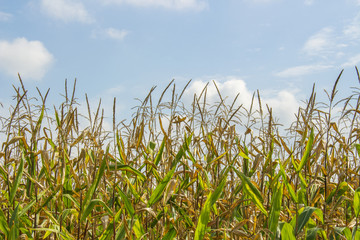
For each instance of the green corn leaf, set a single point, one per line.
(127, 202)
(339, 191)
(288, 185)
(302, 180)
(157, 193)
(19, 174)
(287, 232)
(138, 229)
(120, 234)
(347, 233)
(38, 123)
(120, 147)
(91, 206)
(4, 228)
(340, 233)
(14, 224)
(127, 168)
(182, 150)
(356, 202)
(312, 233)
(132, 188)
(57, 118)
(72, 199)
(252, 191)
(27, 207)
(95, 183)
(357, 146)
(355, 233)
(47, 200)
(205, 212)
(110, 228)
(308, 148)
(275, 209)
(160, 153)
(170, 234)
(303, 218)
(319, 214)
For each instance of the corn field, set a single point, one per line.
(202, 171)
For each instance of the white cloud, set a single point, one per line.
(309, 2)
(320, 43)
(302, 70)
(283, 103)
(351, 62)
(111, 33)
(230, 88)
(5, 16)
(115, 33)
(170, 4)
(29, 58)
(66, 10)
(352, 31)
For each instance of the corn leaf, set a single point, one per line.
(127, 168)
(16, 183)
(91, 206)
(287, 232)
(275, 209)
(158, 192)
(127, 202)
(170, 234)
(160, 152)
(312, 233)
(95, 183)
(252, 191)
(303, 218)
(356, 202)
(4, 228)
(308, 148)
(205, 212)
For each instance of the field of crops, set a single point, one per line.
(199, 171)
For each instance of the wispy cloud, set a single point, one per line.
(169, 4)
(352, 61)
(29, 58)
(116, 33)
(331, 43)
(322, 43)
(5, 16)
(352, 31)
(111, 33)
(309, 2)
(302, 70)
(66, 10)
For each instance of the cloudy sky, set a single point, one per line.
(121, 48)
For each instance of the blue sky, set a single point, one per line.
(121, 48)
